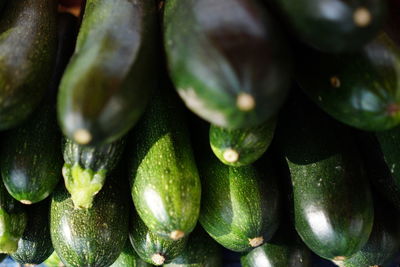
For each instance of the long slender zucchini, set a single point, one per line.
(111, 74)
(227, 59)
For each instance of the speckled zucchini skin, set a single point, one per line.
(201, 251)
(111, 74)
(325, 171)
(54, 261)
(89, 237)
(249, 143)
(332, 25)
(165, 184)
(228, 60)
(238, 203)
(129, 258)
(28, 42)
(35, 245)
(147, 244)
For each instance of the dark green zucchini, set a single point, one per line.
(53, 261)
(86, 168)
(28, 42)
(334, 25)
(111, 74)
(201, 251)
(13, 220)
(240, 205)
(89, 237)
(229, 63)
(165, 184)
(332, 219)
(151, 247)
(241, 146)
(129, 258)
(361, 90)
(35, 245)
(284, 250)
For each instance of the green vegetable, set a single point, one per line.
(129, 258)
(54, 261)
(35, 245)
(111, 74)
(28, 41)
(89, 237)
(241, 146)
(165, 184)
(229, 63)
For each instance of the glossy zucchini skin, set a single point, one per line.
(244, 146)
(129, 258)
(86, 168)
(28, 43)
(151, 247)
(334, 25)
(89, 237)
(165, 183)
(325, 169)
(35, 245)
(229, 63)
(361, 90)
(111, 74)
(240, 206)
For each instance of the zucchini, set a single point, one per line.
(108, 81)
(13, 220)
(85, 169)
(334, 25)
(129, 258)
(325, 169)
(89, 237)
(28, 42)
(151, 247)
(285, 249)
(241, 146)
(201, 251)
(361, 90)
(35, 245)
(53, 261)
(240, 205)
(165, 184)
(230, 63)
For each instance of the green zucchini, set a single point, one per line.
(129, 258)
(151, 247)
(284, 250)
(13, 220)
(35, 245)
(86, 168)
(241, 146)
(28, 42)
(53, 261)
(165, 184)
(110, 76)
(89, 237)
(361, 90)
(201, 251)
(229, 63)
(334, 25)
(325, 169)
(240, 205)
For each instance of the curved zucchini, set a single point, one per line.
(86, 168)
(334, 25)
(28, 42)
(35, 245)
(13, 220)
(165, 184)
(229, 63)
(239, 205)
(129, 258)
(151, 247)
(89, 237)
(325, 169)
(241, 147)
(361, 90)
(111, 74)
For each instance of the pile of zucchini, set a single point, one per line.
(163, 132)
